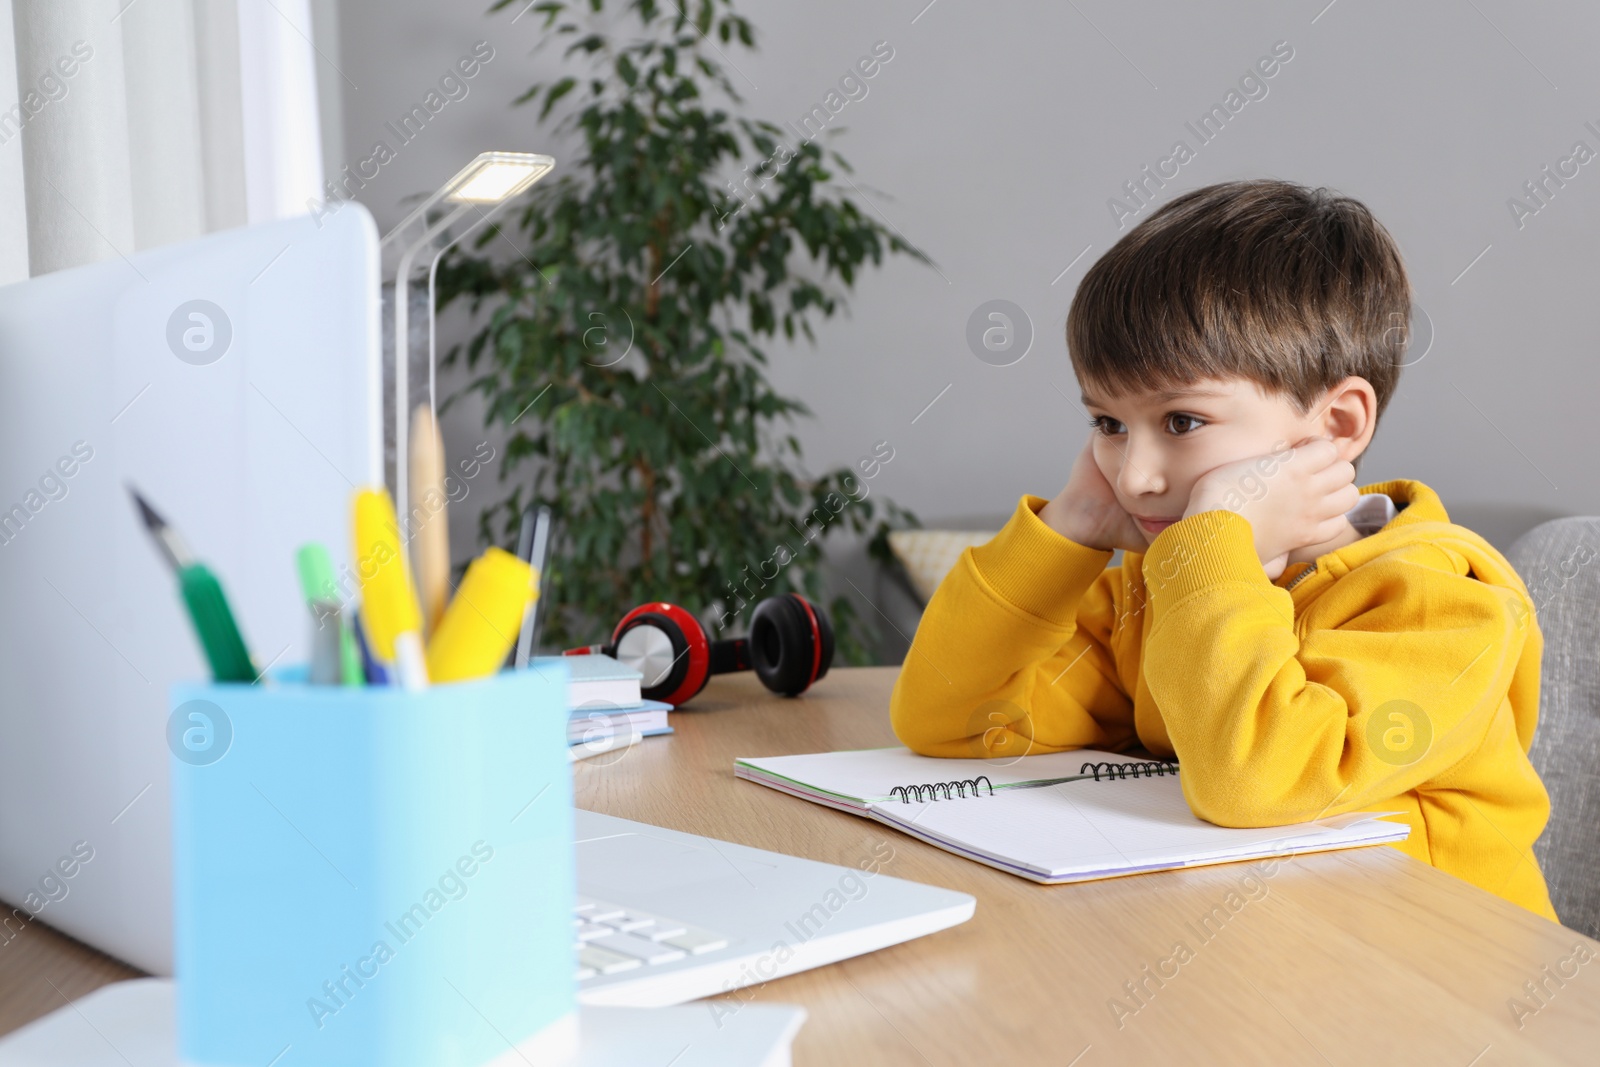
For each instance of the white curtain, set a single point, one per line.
(136, 123)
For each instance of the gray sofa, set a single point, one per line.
(1559, 561)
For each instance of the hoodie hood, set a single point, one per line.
(1423, 521)
(1422, 517)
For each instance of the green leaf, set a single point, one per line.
(556, 92)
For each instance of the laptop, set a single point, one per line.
(664, 917)
(234, 380)
(251, 443)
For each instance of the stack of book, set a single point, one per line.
(606, 707)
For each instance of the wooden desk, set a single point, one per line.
(1358, 957)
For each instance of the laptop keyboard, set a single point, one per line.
(611, 939)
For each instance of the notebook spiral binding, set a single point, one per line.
(1149, 769)
(959, 787)
(931, 790)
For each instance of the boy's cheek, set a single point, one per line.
(1103, 459)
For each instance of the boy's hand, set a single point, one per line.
(1291, 500)
(1087, 512)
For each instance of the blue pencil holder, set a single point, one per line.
(368, 876)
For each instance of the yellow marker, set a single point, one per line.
(389, 609)
(483, 619)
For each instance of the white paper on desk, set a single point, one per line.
(1084, 830)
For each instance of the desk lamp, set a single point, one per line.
(477, 193)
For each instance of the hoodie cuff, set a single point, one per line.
(1200, 551)
(1036, 569)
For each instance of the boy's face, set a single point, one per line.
(1152, 447)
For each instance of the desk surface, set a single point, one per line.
(1364, 956)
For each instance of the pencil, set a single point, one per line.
(429, 507)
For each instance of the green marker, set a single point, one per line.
(319, 586)
(202, 594)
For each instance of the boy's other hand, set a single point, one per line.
(1086, 511)
(1290, 500)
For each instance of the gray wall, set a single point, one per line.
(997, 136)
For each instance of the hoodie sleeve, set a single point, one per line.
(1013, 655)
(1395, 675)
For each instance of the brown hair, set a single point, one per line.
(1292, 288)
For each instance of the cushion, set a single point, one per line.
(929, 555)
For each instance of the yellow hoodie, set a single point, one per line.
(1400, 673)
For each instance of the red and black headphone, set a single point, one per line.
(790, 646)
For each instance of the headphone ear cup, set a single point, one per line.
(700, 670)
(780, 645)
(668, 646)
(791, 644)
(825, 628)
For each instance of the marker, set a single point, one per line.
(207, 604)
(389, 607)
(483, 619)
(317, 584)
(327, 667)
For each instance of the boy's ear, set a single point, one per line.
(1348, 414)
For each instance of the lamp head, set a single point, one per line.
(494, 177)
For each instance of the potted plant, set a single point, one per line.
(622, 349)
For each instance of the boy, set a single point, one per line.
(1302, 647)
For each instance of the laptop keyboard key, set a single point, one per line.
(611, 939)
(696, 942)
(639, 948)
(604, 960)
(662, 929)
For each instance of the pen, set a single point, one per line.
(1043, 783)
(203, 597)
(389, 608)
(533, 547)
(372, 671)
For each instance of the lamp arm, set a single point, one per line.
(402, 333)
(484, 217)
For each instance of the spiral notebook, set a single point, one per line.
(1060, 817)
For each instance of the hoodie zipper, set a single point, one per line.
(1316, 565)
(1297, 579)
